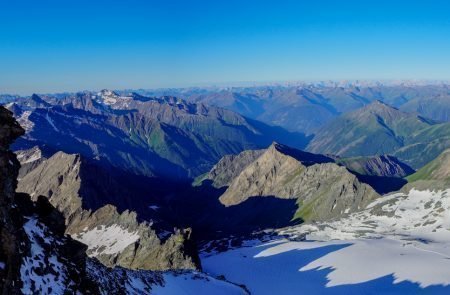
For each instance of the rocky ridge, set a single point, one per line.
(382, 165)
(66, 181)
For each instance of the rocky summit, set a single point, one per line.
(322, 188)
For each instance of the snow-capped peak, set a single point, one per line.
(109, 97)
(108, 93)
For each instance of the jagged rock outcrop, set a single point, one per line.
(52, 263)
(322, 188)
(82, 192)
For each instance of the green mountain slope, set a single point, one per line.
(434, 175)
(379, 129)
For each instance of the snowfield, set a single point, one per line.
(399, 244)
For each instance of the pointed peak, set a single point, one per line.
(34, 96)
(275, 145)
(37, 101)
(379, 105)
(37, 98)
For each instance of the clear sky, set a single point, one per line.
(69, 45)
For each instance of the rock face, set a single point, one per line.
(384, 165)
(322, 188)
(11, 233)
(53, 263)
(82, 193)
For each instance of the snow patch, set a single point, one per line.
(106, 240)
(25, 157)
(50, 121)
(25, 122)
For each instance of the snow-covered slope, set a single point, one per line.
(421, 215)
(47, 270)
(399, 244)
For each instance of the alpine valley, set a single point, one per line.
(295, 188)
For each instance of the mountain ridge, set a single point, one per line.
(84, 195)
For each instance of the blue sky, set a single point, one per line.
(50, 46)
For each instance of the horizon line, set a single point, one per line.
(247, 84)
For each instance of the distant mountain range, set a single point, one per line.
(148, 136)
(306, 107)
